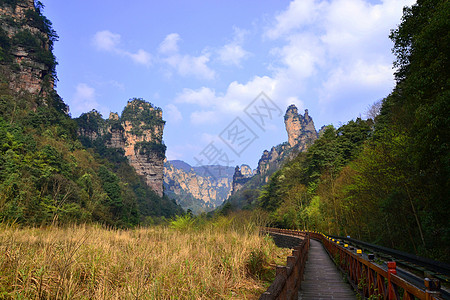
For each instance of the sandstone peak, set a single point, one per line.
(239, 179)
(246, 171)
(300, 128)
(138, 132)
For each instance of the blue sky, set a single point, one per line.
(206, 63)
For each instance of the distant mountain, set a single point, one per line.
(201, 188)
(215, 171)
(179, 164)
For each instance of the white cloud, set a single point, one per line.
(361, 75)
(339, 46)
(173, 113)
(300, 57)
(203, 97)
(299, 14)
(187, 65)
(184, 64)
(208, 138)
(236, 98)
(141, 57)
(170, 44)
(107, 41)
(233, 53)
(84, 100)
(204, 117)
(296, 102)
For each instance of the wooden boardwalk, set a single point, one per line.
(322, 279)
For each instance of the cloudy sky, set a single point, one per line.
(224, 72)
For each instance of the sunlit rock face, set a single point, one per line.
(26, 48)
(138, 132)
(300, 128)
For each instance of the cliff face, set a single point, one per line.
(138, 132)
(141, 138)
(26, 45)
(197, 188)
(271, 160)
(301, 133)
(300, 129)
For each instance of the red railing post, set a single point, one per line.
(392, 269)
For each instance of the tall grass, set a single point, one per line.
(216, 260)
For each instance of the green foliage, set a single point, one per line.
(38, 44)
(226, 209)
(5, 47)
(91, 122)
(34, 18)
(335, 148)
(257, 265)
(143, 116)
(150, 148)
(183, 223)
(34, 44)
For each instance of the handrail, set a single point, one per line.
(370, 279)
(288, 278)
(429, 264)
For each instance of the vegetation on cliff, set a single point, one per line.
(386, 182)
(46, 173)
(31, 36)
(143, 116)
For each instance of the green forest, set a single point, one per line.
(385, 179)
(48, 173)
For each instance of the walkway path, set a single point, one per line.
(322, 279)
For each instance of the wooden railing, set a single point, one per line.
(288, 278)
(370, 279)
(373, 281)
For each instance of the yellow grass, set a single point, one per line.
(89, 262)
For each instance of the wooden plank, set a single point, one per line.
(322, 280)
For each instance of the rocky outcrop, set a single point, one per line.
(271, 160)
(300, 128)
(197, 188)
(241, 176)
(138, 132)
(246, 171)
(27, 43)
(301, 133)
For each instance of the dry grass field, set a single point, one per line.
(222, 259)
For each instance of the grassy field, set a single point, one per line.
(224, 259)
